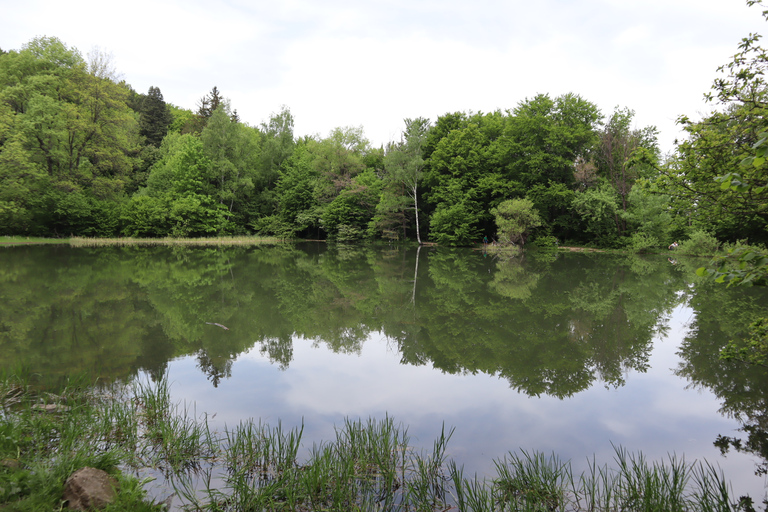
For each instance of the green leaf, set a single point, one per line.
(758, 161)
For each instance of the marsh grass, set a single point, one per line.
(369, 465)
(30, 240)
(540, 483)
(229, 240)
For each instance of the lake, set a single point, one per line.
(572, 353)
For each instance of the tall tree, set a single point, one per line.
(715, 148)
(75, 127)
(617, 156)
(338, 159)
(206, 106)
(404, 162)
(515, 219)
(233, 150)
(278, 144)
(464, 179)
(156, 117)
(545, 137)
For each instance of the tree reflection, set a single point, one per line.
(548, 323)
(724, 314)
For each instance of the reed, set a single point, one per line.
(369, 465)
(533, 481)
(223, 241)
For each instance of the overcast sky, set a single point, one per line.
(373, 63)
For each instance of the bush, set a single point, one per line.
(347, 233)
(641, 242)
(273, 225)
(700, 243)
(545, 242)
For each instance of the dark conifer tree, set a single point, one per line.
(209, 103)
(155, 117)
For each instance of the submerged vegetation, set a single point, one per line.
(253, 466)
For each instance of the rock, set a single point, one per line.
(10, 463)
(50, 408)
(89, 488)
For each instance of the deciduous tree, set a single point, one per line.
(515, 220)
(404, 162)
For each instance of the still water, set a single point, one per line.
(566, 352)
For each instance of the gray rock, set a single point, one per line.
(89, 488)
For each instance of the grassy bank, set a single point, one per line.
(226, 240)
(26, 240)
(45, 436)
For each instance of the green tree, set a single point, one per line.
(156, 117)
(599, 209)
(348, 216)
(465, 180)
(71, 124)
(278, 144)
(338, 159)
(404, 162)
(709, 161)
(233, 150)
(553, 202)
(515, 219)
(545, 137)
(184, 185)
(616, 156)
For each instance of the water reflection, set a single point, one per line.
(291, 331)
(548, 324)
(722, 315)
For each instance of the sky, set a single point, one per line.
(339, 63)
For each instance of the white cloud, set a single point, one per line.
(345, 63)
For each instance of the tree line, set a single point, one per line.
(82, 153)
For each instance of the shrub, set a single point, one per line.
(641, 242)
(700, 243)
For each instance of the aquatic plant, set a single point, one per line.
(125, 429)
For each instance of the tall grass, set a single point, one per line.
(229, 240)
(369, 465)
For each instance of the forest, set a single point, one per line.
(84, 154)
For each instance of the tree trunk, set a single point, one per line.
(416, 208)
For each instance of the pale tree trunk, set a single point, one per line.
(416, 209)
(415, 276)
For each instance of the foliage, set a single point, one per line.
(456, 223)
(464, 181)
(354, 207)
(554, 204)
(741, 266)
(515, 219)
(717, 180)
(64, 131)
(404, 168)
(545, 136)
(599, 209)
(647, 215)
(700, 243)
(624, 155)
(640, 242)
(156, 117)
(754, 350)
